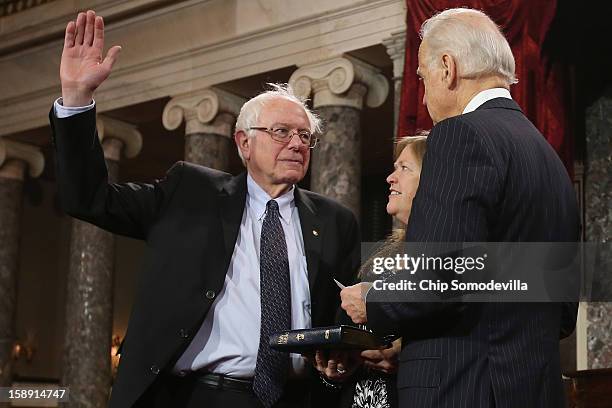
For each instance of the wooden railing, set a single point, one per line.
(590, 388)
(15, 6)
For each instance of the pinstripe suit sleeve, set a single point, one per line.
(457, 194)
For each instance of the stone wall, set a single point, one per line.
(598, 222)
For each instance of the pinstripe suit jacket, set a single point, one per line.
(488, 175)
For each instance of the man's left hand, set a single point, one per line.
(353, 302)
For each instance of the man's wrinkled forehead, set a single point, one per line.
(281, 110)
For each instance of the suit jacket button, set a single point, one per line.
(210, 294)
(183, 333)
(154, 369)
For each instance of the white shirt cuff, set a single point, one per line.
(62, 111)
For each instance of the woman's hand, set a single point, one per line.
(385, 361)
(335, 365)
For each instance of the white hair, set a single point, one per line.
(477, 44)
(249, 113)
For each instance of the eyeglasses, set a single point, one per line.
(284, 135)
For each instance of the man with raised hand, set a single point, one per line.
(229, 261)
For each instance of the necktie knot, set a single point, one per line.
(272, 207)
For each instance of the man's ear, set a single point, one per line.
(449, 71)
(243, 142)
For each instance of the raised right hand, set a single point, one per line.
(82, 68)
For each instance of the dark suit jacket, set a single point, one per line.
(190, 221)
(488, 175)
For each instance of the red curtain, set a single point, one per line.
(543, 86)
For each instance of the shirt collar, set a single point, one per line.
(257, 199)
(486, 96)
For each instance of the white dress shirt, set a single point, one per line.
(228, 340)
(485, 96)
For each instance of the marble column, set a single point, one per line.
(209, 115)
(89, 292)
(598, 225)
(15, 159)
(340, 88)
(396, 48)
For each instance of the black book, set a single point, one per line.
(323, 338)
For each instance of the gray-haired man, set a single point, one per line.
(230, 259)
(488, 175)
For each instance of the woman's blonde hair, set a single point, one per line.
(418, 144)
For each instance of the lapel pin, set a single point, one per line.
(315, 233)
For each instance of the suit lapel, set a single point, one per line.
(311, 232)
(232, 200)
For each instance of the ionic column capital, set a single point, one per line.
(210, 110)
(15, 157)
(127, 133)
(396, 48)
(341, 81)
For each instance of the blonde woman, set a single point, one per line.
(377, 389)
